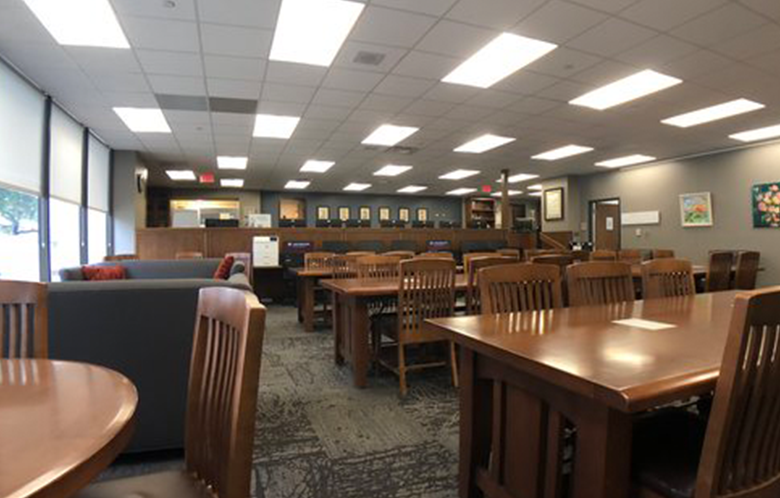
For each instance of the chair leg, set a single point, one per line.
(454, 364)
(401, 368)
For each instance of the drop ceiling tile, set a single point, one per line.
(281, 108)
(391, 27)
(611, 37)
(430, 108)
(243, 121)
(564, 91)
(177, 85)
(171, 63)
(194, 118)
(611, 6)
(767, 62)
(288, 93)
(425, 65)
(558, 21)
(664, 15)
(469, 112)
(295, 74)
(375, 102)
(242, 68)
(604, 73)
(699, 62)
(719, 25)
(237, 89)
(432, 7)
(494, 99)
(347, 79)
(770, 8)
(656, 52)
(456, 39)
(403, 86)
(130, 99)
(342, 98)
(372, 116)
(93, 59)
(252, 13)
(447, 92)
(159, 34)
(496, 14)
(184, 9)
(751, 44)
(235, 41)
(119, 82)
(534, 105)
(350, 50)
(18, 25)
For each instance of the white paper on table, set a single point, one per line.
(645, 324)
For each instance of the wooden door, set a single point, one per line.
(607, 221)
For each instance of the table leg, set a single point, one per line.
(299, 297)
(308, 304)
(359, 332)
(474, 424)
(339, 327)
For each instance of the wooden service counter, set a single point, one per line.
(164, 243)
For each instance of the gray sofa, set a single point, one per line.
(141, 327)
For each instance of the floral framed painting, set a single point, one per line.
(696, 209)
(766, 205)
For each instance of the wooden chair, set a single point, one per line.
(345, 265)
(435, 255)
(189, 255)
(532, 253)
(736, 454)
(469, 256)
(221, 405)
(560, 260)
(24, 320)
(662, 253)
(719, 271)
(400, 254)
(318, 260)
(472, 283)
(509, 252)
(667, 277)
(747, 270)
(426, 290)
(520, 287)
(631, 256)
(360, 253)
(580, 256)
(378, 267)
(121, 257)
(603, 255)
(600, 282)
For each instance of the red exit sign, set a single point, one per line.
(487, 189)
(207, 178)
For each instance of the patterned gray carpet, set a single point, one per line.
(319, 437)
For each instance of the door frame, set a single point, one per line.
(592, 213)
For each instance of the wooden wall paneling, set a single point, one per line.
(164, 243)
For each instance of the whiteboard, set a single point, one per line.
(641, 218)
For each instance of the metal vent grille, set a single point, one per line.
(369, 58)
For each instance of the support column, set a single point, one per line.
(506, 209)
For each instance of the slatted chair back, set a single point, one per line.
(603, 255)
(472, 282)
(667, 277)
(121, 257)
(560, 260)
(24, 322)
(189, 255)
(662, 253)
(741, 453)
(345, 266)
(470, 256)
(510, 252)
(400, 254)
(436, 255)
(520, 287)
(378, 267)
(360, 253)
(426, 290)
(318, 260)
(719, 271)
(631, 256)
(222, 395)
(600, 282)
(530, 254)
(747, 270)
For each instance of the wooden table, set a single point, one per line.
(526, 375)
(306, 282)
(351, 322)
(61, 423)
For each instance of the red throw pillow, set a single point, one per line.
(223, 270)
(113, 272)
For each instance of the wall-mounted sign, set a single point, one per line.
(640, 218)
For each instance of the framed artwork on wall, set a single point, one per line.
(403, 214)
(553, 204)
(766, 205)
(344, 213)
(365, 213)
(384, 213)
(422, 214)
(323, 212)
(696, 209)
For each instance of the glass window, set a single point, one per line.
(67, 144)
(98, 175)
(97, 233)
(18, 236)
(64, 229)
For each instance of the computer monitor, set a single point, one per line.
(478, 224)
(286, 223)
(422, 224)
(352, 223)
(439, 245)
(298, 246)
(322, 223)
(217, 223)
(399, 224)
(386, 223)
(447, 224)
(364, 223)
(335, 223)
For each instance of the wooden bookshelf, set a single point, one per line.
(481, 209)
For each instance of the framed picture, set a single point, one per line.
(344, 213)
(323, 212)
(384, 213)
(365, 213)
(422, 214)
(696, 209)
(766, 205)
(553, 204)
(403, 214)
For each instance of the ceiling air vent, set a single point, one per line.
(399, 149)
(369, 58)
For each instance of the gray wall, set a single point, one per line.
(729, 176)
(129, 206)
(571, 203)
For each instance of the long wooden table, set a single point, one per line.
(351, 321)
(524, 376)
(306, 281)
(61, 423)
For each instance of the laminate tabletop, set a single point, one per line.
(61, 423)
(628, 366)
(371, 287)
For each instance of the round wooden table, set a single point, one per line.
(61, 423)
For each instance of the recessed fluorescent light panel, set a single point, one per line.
(562, 152)
(713, 113)
(461, 191)
(231, 162)
(143, 120)
(272, 126)
(498, 59)
(312, 31)
(484, 143)
(389, 135)
(459, 174)
(85, 23)
(535, 194)
(509, 192)
(297, 184)
(632, 87)
(412, 189)
(232, 182)
(357, 187)
(537, 186)
(314, 166)
(757, 134)
(619, 162)
(521, 177)
(181, 175)
(391, 170)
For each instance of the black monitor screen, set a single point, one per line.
(298, 246)
(439, 245)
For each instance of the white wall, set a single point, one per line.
(129, 204)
